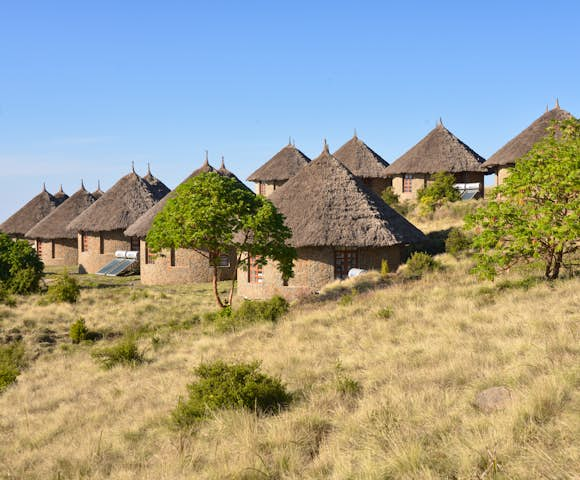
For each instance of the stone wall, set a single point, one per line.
(377, 185)
(190, 267)
(91, 260)
(502, 173)
(313, 269)
(65, 252)
(269, 186)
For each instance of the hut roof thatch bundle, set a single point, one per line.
(523, 142)
(119, 206)
(361, 160)
(159, 188)
(282, 166)
(326, 205)
(98, 193)
(31, 213)
(60, 195)
(143, 224)
(438, 151)
(55, 224)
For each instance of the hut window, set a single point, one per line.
(39, 248)
(255, 272)
(84, 242)
(101, 244)
(134, 244)
(262, 188)
(53, 250)
(344, 260)
(408, 183)
(172, 257)
(149, 256)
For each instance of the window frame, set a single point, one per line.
(407, 183)
(345, 259)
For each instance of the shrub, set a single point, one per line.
(438, 193)
(386, 312)
(457, 242)
(230, 386)
(384, 268)
(20, 267)
(65, 289)
(125, 352)
(393, 201)
(250, 311)
(78, 331)
(420, 263)
(11, 363)
(345, 385)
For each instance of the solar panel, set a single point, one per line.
(117, 266)
(469, 194)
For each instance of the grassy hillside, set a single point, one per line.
(384, 381)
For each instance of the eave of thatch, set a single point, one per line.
(438, 151)
(30, 214)
(119, 207)
(361, 160)
(523, 142)
(143, 224)
(282, 166)
(55, 224)
(327, 205)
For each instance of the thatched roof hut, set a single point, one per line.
(60, 195)
(282, 166)
(119, 207)
(98, 193)
(31, 213)
(55, 224)
(361, 160)
(523, 142)
(326, 205)
(143, 224)
(159, 188)
(438, 151)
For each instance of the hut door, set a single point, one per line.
(344, 260)
(135, 244)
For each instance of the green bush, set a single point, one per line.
(230, 386)
(78, 331)
(393, 201)
(249, 312)
(385, 313)
(20, 267)
(11, 363)
(65, 289)
(438, 193)
(457, 241)
(384, 268)
(420, 263)
(124, 352)
(345, 385)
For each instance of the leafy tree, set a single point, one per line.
(439, 192)
(535, 214)
(20, 267)
(215, 215)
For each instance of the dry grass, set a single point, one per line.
(417, 372)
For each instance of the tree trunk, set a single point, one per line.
(215, 287)
(549, 263)
(557, 265)
(234, 278)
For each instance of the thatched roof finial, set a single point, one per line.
(547, 108)
(289, 141)
(60, 189)
(354, 136)
(44, 186)
(557, 104)
(206, 161)
(98, 185)
(83, 185)
(326, 146)
(440, 124)
(148, 168)
(133, 167)
(223, 165)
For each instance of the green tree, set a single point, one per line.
(535, 214)
(439, 192)
(215, 215)
(20, 267)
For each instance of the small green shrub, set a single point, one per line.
(6, 298)
(20, 267)
(457, 242)
(386, 312)
(230, 386)
(393, 201)
(420, 263)
(384, 268)
(12, 361)
(78, 331)
(249, 312)
(348, 298)
(345, 385)
(438, 193)
(125, 352)
(65, 289)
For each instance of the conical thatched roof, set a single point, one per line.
(60, 195)
(119, 206)
(523, 142)
(326, 205)
(282, 166)
(361, 160)
(438, 151)
(55, 224)
(30, 214)
(157, 185)
(98, 193)
(143, 224)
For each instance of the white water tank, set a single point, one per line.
(355, 272)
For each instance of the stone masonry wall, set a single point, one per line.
(91, 261)
(65, 252)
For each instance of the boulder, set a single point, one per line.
(493, 399)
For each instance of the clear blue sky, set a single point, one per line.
(88, 87)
